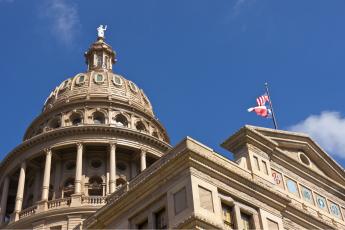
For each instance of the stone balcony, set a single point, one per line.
(74, 201)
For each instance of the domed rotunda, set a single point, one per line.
(97, 131)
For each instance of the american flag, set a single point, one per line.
(261, 101)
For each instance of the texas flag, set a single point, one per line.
(261, 108)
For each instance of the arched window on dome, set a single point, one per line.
(121, 120)
(76, 119)
(68, 187)
(120, 182)
(155, 134)
(98, 118)
(95, 186)
(140, 126)
(55, 123)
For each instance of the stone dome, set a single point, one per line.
(99, 85)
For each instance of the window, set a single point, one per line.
(99, 78)
(68, 188)
(99, 60)
(265, 167)
(76, 119)
(205, 199)
(292, 186)
(307, 195)
(140, 126)
(55, 123)
(272, 225)
(334, 209)
(98, 118)
(121, 166)
(96, 163)
(117, 80)
(246, 221)
(277, 178)
(143, 225)
(321, 202)
(304, 159)
(133, 87)
(256, 163)
(95, 186)
(180, 200)
(70, 165)
(160, 218)
(228, 217)
(80, 80)
(121, 121)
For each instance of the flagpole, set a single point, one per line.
(271, 106)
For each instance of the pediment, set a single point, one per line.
(295, 148)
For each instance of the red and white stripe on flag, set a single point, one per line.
(262, 100)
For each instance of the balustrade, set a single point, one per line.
(64, 202)
(93, 200)
(28, 212)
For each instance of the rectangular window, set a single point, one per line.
(228, 217)
(246, 221)
(143, 225)
(272, 225)
(256, 163)
(334, 209)
(205, 199)
(307, 195)
(292, 186)
(277, 178)
(265, 167)
(180, 200)
(321, 202)
(161, 219)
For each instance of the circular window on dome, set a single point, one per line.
(133, 87)
(304, 159)
(70, 165)
(96, 163)
(117, 80)
(121, 166)
(99, 78)
(80, 80)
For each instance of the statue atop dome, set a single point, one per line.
(101, 30)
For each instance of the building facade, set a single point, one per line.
(97, 158)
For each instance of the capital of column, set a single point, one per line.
(112, 145)
(48, 150)
(79, 145)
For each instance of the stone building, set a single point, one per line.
(97, 158)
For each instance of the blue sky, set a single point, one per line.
(202, 63)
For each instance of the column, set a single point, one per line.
(112, 170)
(57, 179)
(78, 169)
(46, 175)
(20, 190)
(4, 199)
(142, 160)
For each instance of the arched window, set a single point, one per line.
(76, 119)
(55, 123)
(120, 181)
(95, 186)
(121, 121)
(68, 187)
(155, 134)
(98, 118)
(140, 126)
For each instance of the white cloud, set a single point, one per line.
(64, 18)
(328, 129)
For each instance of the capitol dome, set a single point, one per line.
(96, 132)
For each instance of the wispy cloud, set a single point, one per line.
(63, 18)
(328, 129)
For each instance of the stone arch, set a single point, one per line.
(140, 126)
(121, 120)
(76, 118)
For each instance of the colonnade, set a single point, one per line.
(46, 178)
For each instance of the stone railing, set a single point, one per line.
(59, 203)
(93, 200)
(28, 212)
